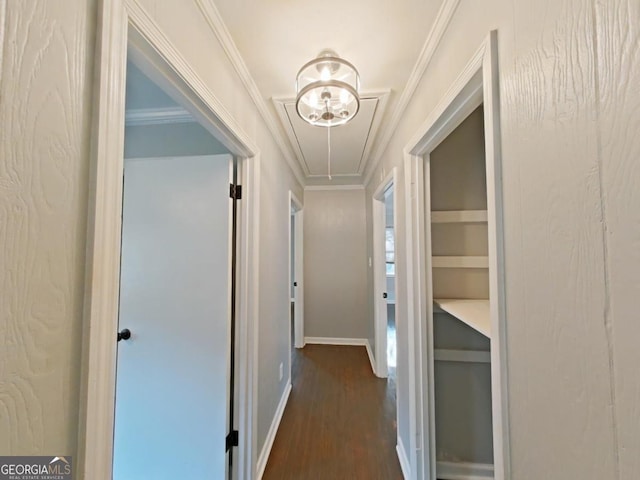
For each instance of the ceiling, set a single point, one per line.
(383, 39)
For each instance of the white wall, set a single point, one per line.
(47, 57)
(335, 264)
(46, 89)
(569, 136)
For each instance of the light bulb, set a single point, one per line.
(344, 97)
(313, 100)
(325, 74)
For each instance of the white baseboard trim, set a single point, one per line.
(464, 471)
(271, 436)
(371, 357)
(404, 460)
(359, 342)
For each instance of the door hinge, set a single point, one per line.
(232, 440)
(235, 191)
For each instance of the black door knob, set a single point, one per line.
(384, 295)
(124, 334)
(295, 284)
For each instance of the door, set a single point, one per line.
(172, 390)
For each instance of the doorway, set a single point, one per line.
(384, 263)
(128, 37)
(296, 271)
(175, 373)
(390, 272)
(456, 254)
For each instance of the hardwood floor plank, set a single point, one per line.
(340, 422)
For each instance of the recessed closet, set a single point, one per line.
(461, 335)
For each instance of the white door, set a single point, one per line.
(172, 391)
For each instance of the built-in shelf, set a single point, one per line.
(459, 216)
(462, 356)
(466, 261)
(474, 313)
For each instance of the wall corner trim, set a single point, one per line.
(440, 24)
(273, 430)
(371, 358)
(404, 461)
(215, 21)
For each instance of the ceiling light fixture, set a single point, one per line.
(327, 93)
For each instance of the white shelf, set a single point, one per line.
(461, 356)
(474, 313)
(459, 216)
(466, 261)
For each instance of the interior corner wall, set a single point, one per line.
(335, 264)
(44, 169)
(569, 160)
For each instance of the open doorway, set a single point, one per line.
(390, 273)
(176, 275)
(457, 315)
(384, 263)
(296, 271)
(127, 39)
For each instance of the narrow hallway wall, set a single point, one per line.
(335, 265)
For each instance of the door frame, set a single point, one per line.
(295, 206)
(380, 270)
(476, 85)
(127, 31)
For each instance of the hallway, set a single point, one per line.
(340, 421)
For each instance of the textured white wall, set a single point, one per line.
(45, 91)
(618, 112)
(569, 104)
(335, 264)
(45, 106)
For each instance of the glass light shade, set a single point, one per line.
(327, 91)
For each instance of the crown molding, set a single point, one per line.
(157, 116)
(213, 18)
(333, 187)
(158, 58)
(443, 18)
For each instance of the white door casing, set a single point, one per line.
(477, 84)
(125, 27)
(298, 242)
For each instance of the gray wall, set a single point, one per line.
(335, 264)
(169, 140)
(569, 118)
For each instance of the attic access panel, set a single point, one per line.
(350, 143)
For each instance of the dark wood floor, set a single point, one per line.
(340, 421)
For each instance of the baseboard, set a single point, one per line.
(360, 342)
(404, 460)
(371, 357)
(271, 436)
(464, 471)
